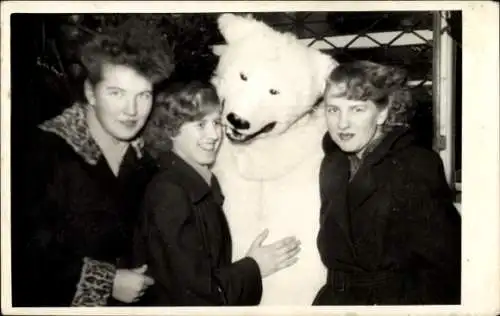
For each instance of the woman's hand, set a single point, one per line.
(276, 256)
(130, 285)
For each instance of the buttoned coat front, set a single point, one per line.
(184, 238)
(394, 222)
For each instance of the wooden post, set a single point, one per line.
(443, 93)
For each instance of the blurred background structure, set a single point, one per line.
(47, 75)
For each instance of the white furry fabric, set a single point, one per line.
(275, 186)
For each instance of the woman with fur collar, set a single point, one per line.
(84, 178)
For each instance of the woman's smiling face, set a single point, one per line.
(199, 141)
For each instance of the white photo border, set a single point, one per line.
(480, 153)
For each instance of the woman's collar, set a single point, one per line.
(71, 125)
(190, 179)
(396, 138)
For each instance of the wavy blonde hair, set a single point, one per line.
(384, 85)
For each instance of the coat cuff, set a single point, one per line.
(96, 283)
(248, 271)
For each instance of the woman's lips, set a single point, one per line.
(129, 123)
(208, 147)
(345, 136)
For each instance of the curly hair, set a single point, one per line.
(133, 43)
(179, 104)
(384, 85)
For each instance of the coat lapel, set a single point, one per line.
(362, 186)
(364, 182)
(334, 179)
(339, 196)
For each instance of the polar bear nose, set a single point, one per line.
(237, 121)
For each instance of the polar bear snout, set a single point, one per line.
(237, 122)
(236, 135)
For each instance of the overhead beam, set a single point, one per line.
(417, 37)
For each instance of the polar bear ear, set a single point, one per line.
(219, 49)
(215, 81)
(323, 65)
(234, 27)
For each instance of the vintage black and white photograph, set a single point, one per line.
(256, 158)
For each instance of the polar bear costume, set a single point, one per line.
(268, 164)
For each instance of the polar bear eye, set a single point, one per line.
(332, 109)
(243, 77)
(274, 91)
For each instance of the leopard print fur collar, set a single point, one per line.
(71, 125)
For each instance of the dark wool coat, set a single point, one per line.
(391, 235)
(74, 218)
(188, 244)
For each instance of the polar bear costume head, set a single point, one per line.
(267, 80)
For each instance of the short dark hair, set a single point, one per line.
(180, 103)
(384, 85)
(133, 43)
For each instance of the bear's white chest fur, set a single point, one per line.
(274, 184)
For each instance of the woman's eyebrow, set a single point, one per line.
(123, 89)
(114, 88)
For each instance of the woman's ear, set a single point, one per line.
(382, 116)
(88, 90)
